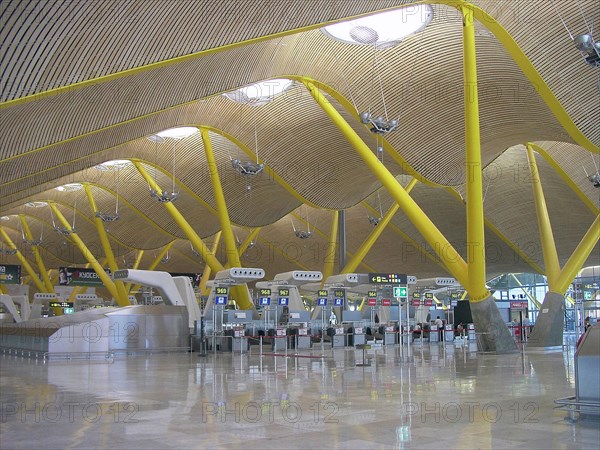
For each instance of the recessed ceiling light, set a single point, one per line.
(70, 187)
(260, 93)
(177, 133)
(383, 30)
(115, 164)
(36, 204)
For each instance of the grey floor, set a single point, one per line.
(428, 396)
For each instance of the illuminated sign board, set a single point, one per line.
(75, 276)
(221, 295)
(416, 295)
(372, 294)
(10, 274)
(338, 297)
(322, 301)
(284, 296)
(429, 295)
(416, 302)
(400, 292)
(265, 297)
(284, 292)
(372, 302)
(386, 302)
(388, 278)
(283, 301)
(60, 304)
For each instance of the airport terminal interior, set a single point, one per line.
(370, 224)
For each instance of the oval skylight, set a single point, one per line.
(69, 187)
(260, 93)
(177, 133)
(383, 30)
(4, 218)
(115, 164)
(36, 204)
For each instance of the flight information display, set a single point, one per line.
(265, 297)
(221, 294)
(388, 278)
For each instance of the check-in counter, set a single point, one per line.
(434, 334)
(471, 332)
(449, 333)
(389, 334)
(357, 336)
(338, 336)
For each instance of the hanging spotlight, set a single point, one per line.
(107, 217)
(32, 242)
(301, 234)
(247, 167)
(379, 125)
(374, 220)
(63, 231)
(164, 197)
(590, 49)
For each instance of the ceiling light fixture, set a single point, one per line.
(247, 167)
(382, 30)
(176, 133)
(114, 165)
(36, 204)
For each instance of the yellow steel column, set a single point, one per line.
(447, 253)
(330, 252)
(136, 264)
(36, 280)
(242, 295)
(108, 283)
(108, 253)
(233, 258)
(155, 263)
(248, 240)
(577, 259)
(206, 272)
(473, 169)
(372, 238)
(549, 253)
(3, 290)
(206, 255)
(36, 254)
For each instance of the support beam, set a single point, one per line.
(486, 316)
(233, 258)
(108, 253)
(450, 257)
(341, 238)
(36, 280)
(251, 237)
(241, 293)
(545, 228)
(3, 290)
(330, 252)
(579, 256)
(205, 254)
(108, 283)
(366, 246)
(529, 296)
(206, 273)
(37, 256)
(474, 169)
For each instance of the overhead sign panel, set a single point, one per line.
(10, 274)
(388, 278)
(75, 276)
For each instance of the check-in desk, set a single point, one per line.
(357, 336)
(434, 333)
(449, 333)
(299, 338)
(389, 334)
(338, 336)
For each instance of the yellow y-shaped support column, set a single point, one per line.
(545, 229)
(206, 272)
(452, 260)
(156, 262)
(473, 173)
(3, 290)
(36, 280)
(372, 238)
(242, 296)
(106, 280)
(330, 252)
(36, 254)
(200, 246)
(108, 253)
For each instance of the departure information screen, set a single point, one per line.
(388, 278)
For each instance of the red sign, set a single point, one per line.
(386, 302)
(518, 305)
(372, 302)
(416, 302)
(428, 302)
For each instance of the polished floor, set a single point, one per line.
(429, 396)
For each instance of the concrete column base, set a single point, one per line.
(495, 335)
(548, 329)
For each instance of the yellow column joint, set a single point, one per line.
(448, 254)
(473, 169)
(108, 283)
(36, 280)
(36, 253)
(108, 253)
(3, 290)
(206, 255)
(577, 259)
(206, 271)
(331, 245)
(545, 228)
